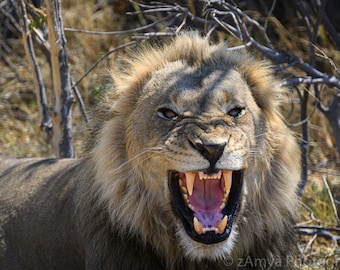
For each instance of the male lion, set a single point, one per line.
(188, 165)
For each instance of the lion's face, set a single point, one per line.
(193, 156)
(200, 125)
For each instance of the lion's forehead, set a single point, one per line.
(212, 90)
(200, 89)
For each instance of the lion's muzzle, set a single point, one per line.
(210, 151)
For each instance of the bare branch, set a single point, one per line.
(46, 123)
(330, 195)
(9, 61)
(329, 80)
(323, 232)
(265, 26)
(80, 102)
(102, 58)
(119, 32)
(323, 55)
(14, 22)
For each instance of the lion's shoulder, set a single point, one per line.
(28, 179)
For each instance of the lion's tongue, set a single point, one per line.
(206, 199)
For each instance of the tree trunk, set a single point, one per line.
(63, 99)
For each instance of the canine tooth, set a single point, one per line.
(227, 175)
(222, 205)
(198, 226)
(222, 224)
(190, 179)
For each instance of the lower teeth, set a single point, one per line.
(221, 226)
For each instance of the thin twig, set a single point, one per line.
(11, 66)
(312, 214)
(123, 32)
(323, 55)
(269, 15)
(319, 232)
(310, 242)
(316, 227)
(331, 198)
(14, 22)
(80, 102)
(101, 59)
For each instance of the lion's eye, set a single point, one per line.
(237, 112)
(166, 113)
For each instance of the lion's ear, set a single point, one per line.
(264, 87)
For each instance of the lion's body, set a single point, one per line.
(188, 165)
(39, 222)
(36, 223)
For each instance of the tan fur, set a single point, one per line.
(120, 194)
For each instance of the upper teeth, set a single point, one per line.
(203, 176)
(190, 179)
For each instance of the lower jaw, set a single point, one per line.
(199, 251)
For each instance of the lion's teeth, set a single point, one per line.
(190, 179)
(184, 189)
(222, 224)
(203, 176)
(227, 175)
(186, 198)
(198, 226)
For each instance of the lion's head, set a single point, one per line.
(193, 156)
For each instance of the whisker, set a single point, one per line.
(155, 149)
(260, 135)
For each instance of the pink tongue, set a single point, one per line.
(206, 199)
(207, 195)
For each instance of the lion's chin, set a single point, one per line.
(198, 251)
(206, 204)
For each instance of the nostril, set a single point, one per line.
(212, 152)
(199, 146)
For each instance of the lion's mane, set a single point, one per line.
(138, 206)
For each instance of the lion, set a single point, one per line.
(188, 165)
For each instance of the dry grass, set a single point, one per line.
(20, 135)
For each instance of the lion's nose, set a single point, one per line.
(212, 152)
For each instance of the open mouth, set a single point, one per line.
(206, 204)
